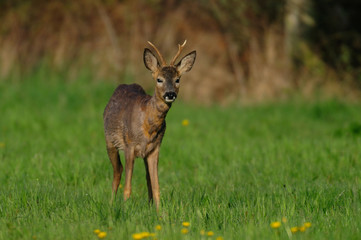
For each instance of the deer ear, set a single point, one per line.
(186, 63)
(150, 61)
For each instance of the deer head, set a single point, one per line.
(168, 76)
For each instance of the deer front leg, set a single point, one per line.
(152, 161)
(149, 185)
(129, 164)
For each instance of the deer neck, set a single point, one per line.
(157, 110)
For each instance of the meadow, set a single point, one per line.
(231, 170)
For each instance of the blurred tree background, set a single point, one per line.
(247, 50)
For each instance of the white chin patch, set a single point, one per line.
(169, 100)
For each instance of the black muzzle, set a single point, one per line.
(170, 96)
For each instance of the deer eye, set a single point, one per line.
(177, 80)
(159, 80)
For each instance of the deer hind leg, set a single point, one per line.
(117, 170)
(150, 192)
(129, 165)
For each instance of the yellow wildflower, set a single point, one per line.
(97, 231)
(137, 236)
(184, 230)
(145, 234)
(102, 235)
(275, 224)
(294, 229)
(284, 219)
(302, 229)
(210, 234)
(202, 232)
(142, 235)
(185, 122)
(219, 238)
(158, 227)
(186, 224)
(307, 224)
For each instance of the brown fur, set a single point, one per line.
(135, 122)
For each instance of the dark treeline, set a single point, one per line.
(337, 33)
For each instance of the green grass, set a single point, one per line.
(233, 170)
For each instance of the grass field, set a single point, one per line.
(232, 170)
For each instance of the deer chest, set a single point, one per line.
(150, 141)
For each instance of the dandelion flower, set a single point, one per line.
(210, 234)
(275, 224)
(158, 227)
(185, 122)
(184, 230)
(307, 224)
(219, 238)
(294, 229)
(97, 231)
(102, 235)
(145, 234)
(186, 224)
(137, 236)
(202, 232)
(302, 229)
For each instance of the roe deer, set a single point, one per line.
(135, 122)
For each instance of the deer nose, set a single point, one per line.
(170, 96)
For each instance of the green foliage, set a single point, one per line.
(231, 170)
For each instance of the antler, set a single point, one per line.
(180, 48)
(163, 63)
